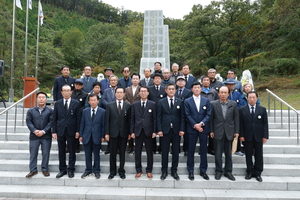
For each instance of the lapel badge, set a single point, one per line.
(204, 107)
(237, 100)
(161, 96)
(80, 99)
(150, 111)
(178, 107)
(259, 117)
(72, 85)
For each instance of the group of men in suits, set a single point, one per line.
(135, 109)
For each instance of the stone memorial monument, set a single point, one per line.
(155, 41)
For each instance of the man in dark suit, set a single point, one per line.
(198, 113)
(105, 82)
(157, 69)
(188, 78)
(117, 127)
(143, 129)
(147, 81)
(88, 80)
(183, 93)
(109, 93)
(170, 128)
(66, 122)
(59, 82)
(156, 93)
(254, 132)
(125, 81)
(224, 126)
(132, 95)
(92, 134)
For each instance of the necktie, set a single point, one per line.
(157, 88)
(119, 107)
(93, 115)
(146, 82)
(185, 78)
(87, 79)
(143, 107)
(66, 106)
(252, 112)
(180, 92)
(171, 103)
(66, 80)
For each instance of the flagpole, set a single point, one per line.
(11, 89)
(26, 41)
(37, 43)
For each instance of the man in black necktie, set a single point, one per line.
(170, 128)
(254, 132)
(117, 131)
(189, 79)
(60, 81)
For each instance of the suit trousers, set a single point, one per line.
(223, 145)
(71, 143)
(191, 151)
(257, 168)
(115, 144)
(89, 149)
(142, 138)
(166, 140)
(34, 150)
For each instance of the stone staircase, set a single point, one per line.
(281, 176)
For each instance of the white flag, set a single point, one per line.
(30, 4)
(18, 4)
(41, 15)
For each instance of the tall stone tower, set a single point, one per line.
(155, 41)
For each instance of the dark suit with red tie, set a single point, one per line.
(170, 120)
(143, 125)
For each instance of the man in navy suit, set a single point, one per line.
(66, 123)
(254, 132)
(188, 78)
(198, 113)
(105, 82)
(125, 81)
(92, 134)
(143, 129)
(183, 93)
(88, 80)
(156, 93)
(109, 93)
(117, 131)
(59, 82)
(170, 127)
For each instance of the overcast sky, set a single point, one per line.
(171, 9)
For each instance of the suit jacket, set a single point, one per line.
(88, 86)
(117, 124)
(89, 128)
(186, 93)
(256, 127)
(143, 82)
(131, 98)
(191, 79)
(155, 95)
(121, 82)
(194, 117)
(108, 96)
(140, 120)
(167, 116)
(237, 97)
(104, 85)
(59, 82)
(229, 125)
(69, 120)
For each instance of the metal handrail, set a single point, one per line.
(289, 108)
(13, 105)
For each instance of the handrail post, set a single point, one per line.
(23, 111)
(15, 123)
(274, 110)
(297, 129)
(281, 114)
(289, 120)
(6, 124)
(269, 96)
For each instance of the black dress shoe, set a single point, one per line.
(185, 153)
(163, 176)
(107, 152)
(204, 175)
(191, 176)
(248, 176)
(258, 178)
(122, 176)
(111, 176)
(130, 151)
(229, 176)
(97, 175)
(85, 175)
(218, 176)
(61, 174)
(71, 174)
(77, 151)
(175, 176)
(211, 152)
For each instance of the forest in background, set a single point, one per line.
(262, 36)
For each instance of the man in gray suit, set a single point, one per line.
(88, 80)
(224, 126)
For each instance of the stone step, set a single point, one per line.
(239, 169)
(269, 183)
(292, 159)
(132, 193)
